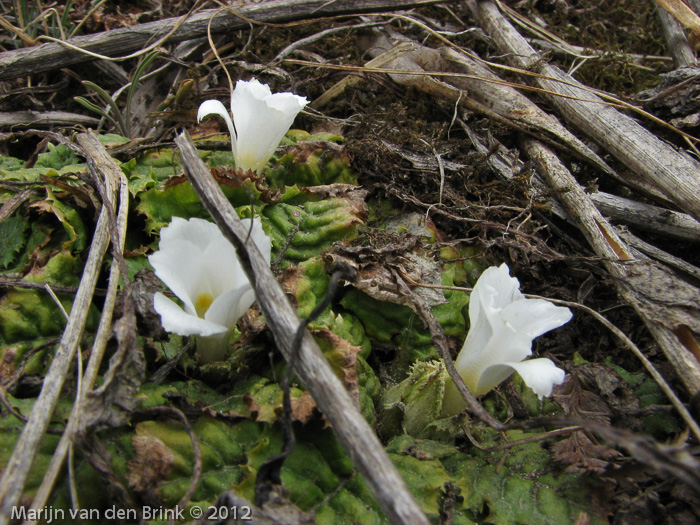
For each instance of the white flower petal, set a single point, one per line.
(177, 321)
(222, 262)
(494, 290)
(503, 289)
(539, 374)
(197, 231)
(221, 265)
(534, 317)
(514, 329)
(261, 119)
(480, 331)
(215, 107)
(288, 104)
(230, 306)
(181, 268)
(252, 88)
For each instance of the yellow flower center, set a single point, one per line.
(202, 304)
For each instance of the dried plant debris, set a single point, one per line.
(417, 181)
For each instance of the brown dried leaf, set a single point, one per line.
(389, 256)
(582, 454)
(151, 464)
(614, 390)
(342, 357)
(112, 403)
(303, 408)
(580, 450)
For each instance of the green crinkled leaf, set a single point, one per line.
(310, 164)
(30, 325)
(10, 431)
(218, 158)
(201, 395)
(28, 314)
(10, 428)
(180, 200)
(163, 458)
(400, 327)
(369, 387)
(34, 174)
(57, 157)
(112, 139)
(319, 477)
(10, 163)
(58, 160)
(294, 136)
(310, 286)
(13, 237)
(151, 169)
(68, 217)
(266, 400)
(513, 489)
(29, 319)
(426, 479)
(63, 268)
(519, 487)
(416, 402)
(303, 228)
(38, 240)
(649, 393)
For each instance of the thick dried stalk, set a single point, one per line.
(657, 163)
(676, 41)
(311, 366)
(635, 280)
(15, 475)
(647, 217)
(643, 249)
(25, 119)
(120, 42)
(107, 168)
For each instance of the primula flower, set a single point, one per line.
(200, 267)
(503, 324)
(260, 121)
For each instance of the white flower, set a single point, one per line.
(200, 267)
(503, 325)
(260, 121)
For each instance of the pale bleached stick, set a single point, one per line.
(122, 41)
(353, 431)
(18, 467)
(101, 164)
